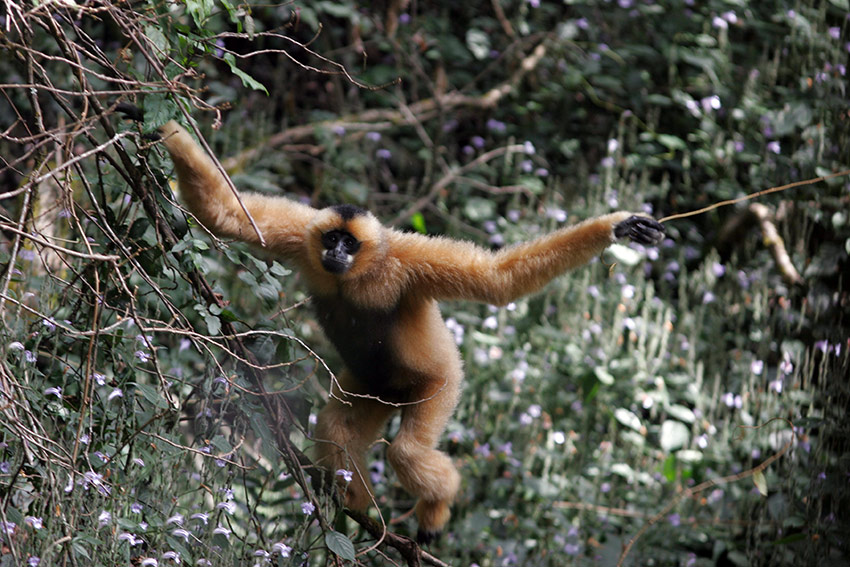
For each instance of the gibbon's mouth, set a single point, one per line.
(335, 264)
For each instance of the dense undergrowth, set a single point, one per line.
(683, 405)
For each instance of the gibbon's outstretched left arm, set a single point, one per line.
(375, 293)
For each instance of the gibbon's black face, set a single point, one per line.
(339, 250)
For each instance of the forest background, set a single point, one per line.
(681, 405)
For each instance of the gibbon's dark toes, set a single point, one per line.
(642, 230)
(130, 111)
(425, 537)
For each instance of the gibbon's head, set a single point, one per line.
(345, 240)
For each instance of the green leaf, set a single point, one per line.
(151, 394)
(669, 468)
(417, 221)
(760, 482)
(220, 443)
(247, 79)
(340, 545)
(279, 270)
(213, 324)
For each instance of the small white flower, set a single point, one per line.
(229, 507)
(346, 475)
(221, 530)
(104, 518)
(34, 521)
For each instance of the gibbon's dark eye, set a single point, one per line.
(342, 240)
(340, 247)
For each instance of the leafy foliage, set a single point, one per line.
(157, 385)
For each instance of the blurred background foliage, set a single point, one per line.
(157, 385)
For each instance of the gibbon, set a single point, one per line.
(375, 292)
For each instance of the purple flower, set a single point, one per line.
(221, 530)
(104, 518)
(281, 549)
(774, 147)
(56, 391)
(307, 508)
(130, 538)
(496, 125)
(834, 32)
(34, 521)
(674, 519)
(346, 475)
(383, 153)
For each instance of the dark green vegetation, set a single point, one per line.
(134, 422)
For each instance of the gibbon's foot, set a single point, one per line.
(427, 537)
(643, 230)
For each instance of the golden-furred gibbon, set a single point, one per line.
(375, 292)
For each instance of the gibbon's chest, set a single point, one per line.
(362, 338)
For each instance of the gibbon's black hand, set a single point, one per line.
(642, 230)
(134, 113)
(130, 111)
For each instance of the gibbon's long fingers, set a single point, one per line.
(208, 195)
(450, 269)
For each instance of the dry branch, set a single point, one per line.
(384, 119)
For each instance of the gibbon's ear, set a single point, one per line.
(369, 254)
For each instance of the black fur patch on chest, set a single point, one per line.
(361, 336)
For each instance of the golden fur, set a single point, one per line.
(391, 290)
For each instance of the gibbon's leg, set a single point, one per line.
(344, 432)
(422, 469)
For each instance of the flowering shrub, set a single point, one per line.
(685, 403)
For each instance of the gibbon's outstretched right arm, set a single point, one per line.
(209, 197)
(442, 268)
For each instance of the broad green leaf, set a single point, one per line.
(340, 544)
(247, 79)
